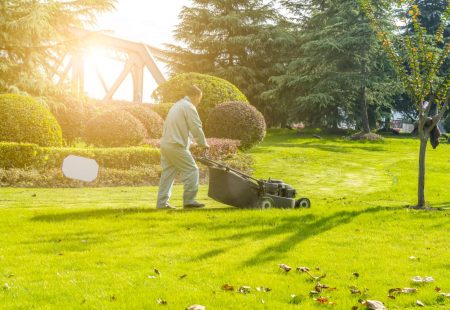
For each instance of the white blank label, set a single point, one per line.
(80, 168)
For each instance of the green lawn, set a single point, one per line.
(97, 248)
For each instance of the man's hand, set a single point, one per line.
(205, 149)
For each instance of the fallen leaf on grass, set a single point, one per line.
(157, 271)
(161, 301)
(303, 269)
(285, 267)
(306, 270)
(406, 290)
(355, 290)
(356, 274)
(374, 305)
(437, 289)
(244, 289)
(324, 301)
(183, 276)
(196, 307)
(420, 304)
(418, 279)
(263, 289)
(228, 287)
(355, 308)
(319, 287)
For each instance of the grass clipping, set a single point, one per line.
(366, 136)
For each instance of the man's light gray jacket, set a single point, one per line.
(182, 121)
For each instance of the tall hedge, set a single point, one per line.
(22, 119)
(31, 156)
(238, 121)
(215, 91)
(26, 155)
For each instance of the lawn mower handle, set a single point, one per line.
(209, 162)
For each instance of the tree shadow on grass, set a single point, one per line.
(324, 147)
(298, 228)
(442, 206)
(113, 212)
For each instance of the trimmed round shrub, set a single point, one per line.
(151, 120)
(162, 108)
(238, 121)
(23, 119)
(70, 114)
(215, 91)
(115, 128)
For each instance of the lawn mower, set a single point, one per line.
(235, 188)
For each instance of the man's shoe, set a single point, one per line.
(166, 207)
(194, 205)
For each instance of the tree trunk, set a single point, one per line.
(423, 136)
(363, 102)
(421, 188)
(364, 114)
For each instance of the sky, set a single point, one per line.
(147, 21)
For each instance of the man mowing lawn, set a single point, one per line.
(182, 121)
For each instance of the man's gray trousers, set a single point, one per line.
(176, 158)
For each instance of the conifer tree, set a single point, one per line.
(340, 73)
(241, 41)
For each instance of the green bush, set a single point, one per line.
(151, 120)
(238, 121)
(70, 113)
(24, 156)
(215, 91)
(22, 119)
(162, 109)
(115, 128)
